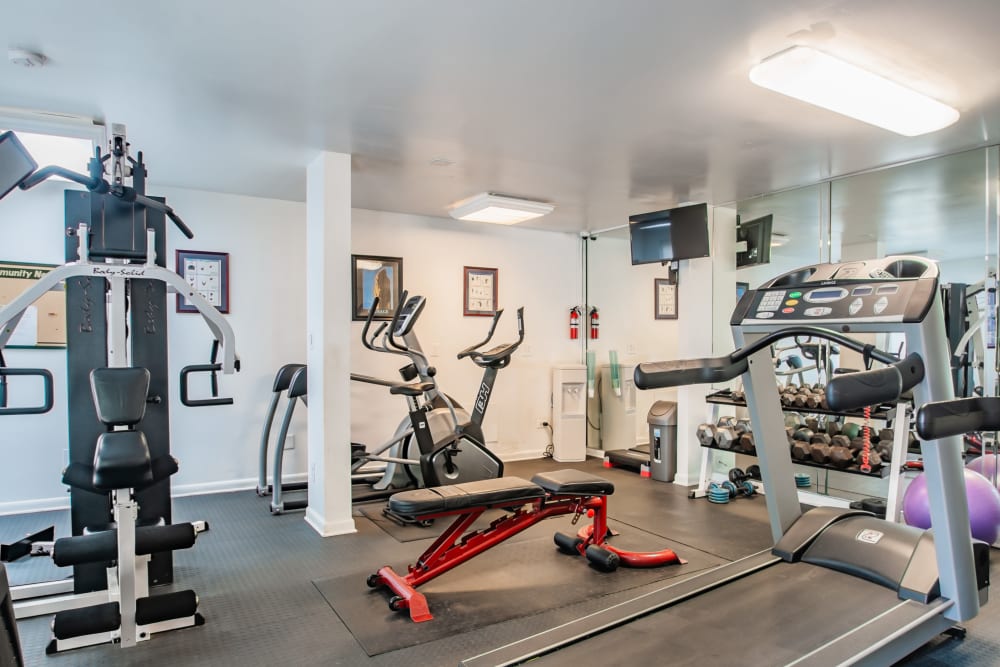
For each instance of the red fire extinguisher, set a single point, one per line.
(574, 323)
(594, 323)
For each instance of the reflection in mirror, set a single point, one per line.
(795, 232)
(936, 209)
(628, 332)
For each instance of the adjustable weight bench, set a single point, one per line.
(526, 503)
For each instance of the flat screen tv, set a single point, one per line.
(756, 234)
(666, 236)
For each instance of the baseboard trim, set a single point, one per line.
(329, 528)
(37, 505)
(227, 486)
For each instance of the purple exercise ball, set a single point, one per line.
(984, 505)
(984, 465)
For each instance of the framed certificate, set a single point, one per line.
(480, 291)
(208, 274)
(665, 299)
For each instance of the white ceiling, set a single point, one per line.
(604, 108)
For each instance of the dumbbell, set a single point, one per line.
(726, 421)
(742, 426)
(706, 435)
(840, 441)
(742, 481)
(803, 434)
(753, 472)
(800, 450)
(840, 456)
(801, 398)
(738, 396)
(793, 419)
(812, 424)
(725, 437)
(747, 444)
(833, 428)
(819, 452)
(884, 449)
(788, 398)
(851, 430)
(874, 459)
(815, 400)
(886, 435)
(820, 439)
(726, 486)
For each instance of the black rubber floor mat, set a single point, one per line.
(513, 580)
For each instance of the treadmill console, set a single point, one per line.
(891, 289)
(408, 316)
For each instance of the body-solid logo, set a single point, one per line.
(869, 536)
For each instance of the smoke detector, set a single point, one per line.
(25, 58)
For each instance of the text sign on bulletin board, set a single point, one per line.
(44, 322)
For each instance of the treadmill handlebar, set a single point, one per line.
(958, 416)
(851, 391)
(676, 373)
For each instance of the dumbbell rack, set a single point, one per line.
(893, 471)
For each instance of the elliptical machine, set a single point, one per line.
(439, 444)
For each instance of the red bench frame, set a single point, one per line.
(457, 544)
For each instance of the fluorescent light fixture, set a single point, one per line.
(820, 79)
(498, 209)
(778, 240)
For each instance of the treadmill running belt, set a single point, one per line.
(772, 617)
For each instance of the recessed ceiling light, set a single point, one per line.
(441, 161)
(820, 79)
(498, 209)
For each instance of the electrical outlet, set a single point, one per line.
(290, 441)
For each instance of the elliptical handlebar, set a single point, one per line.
(500, 355)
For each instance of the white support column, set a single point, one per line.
(706, 298)
(328, 323)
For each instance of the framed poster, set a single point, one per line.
(373, 276)
(43, 323)
(479, 292)
(208, 274)
(665, 299)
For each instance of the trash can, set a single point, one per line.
(662, 420)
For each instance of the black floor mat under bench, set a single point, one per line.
(512, 580)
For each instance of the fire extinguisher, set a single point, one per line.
(594, 323)
(574, 323)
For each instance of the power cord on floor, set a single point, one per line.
(550, 448)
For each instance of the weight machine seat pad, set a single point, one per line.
(573, 483)
(120, 394)
(81, 475)
(121, 461)
(503, 492)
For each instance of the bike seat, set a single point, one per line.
(415, 389)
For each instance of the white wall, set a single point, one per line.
(537, 270)
(217, 446)
(624, 296)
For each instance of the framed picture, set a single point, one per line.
(208, 274)
(373, 276)
(665, 296)
(479, 293)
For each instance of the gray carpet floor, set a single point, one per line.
(255, 574)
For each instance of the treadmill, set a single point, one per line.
(839, 586)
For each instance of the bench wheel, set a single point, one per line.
(567, 544)
(373, 580)
(396, 603)
(602, 559)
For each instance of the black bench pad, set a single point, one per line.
(573, 483)
(502, 492)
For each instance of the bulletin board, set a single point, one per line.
(44, 322)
